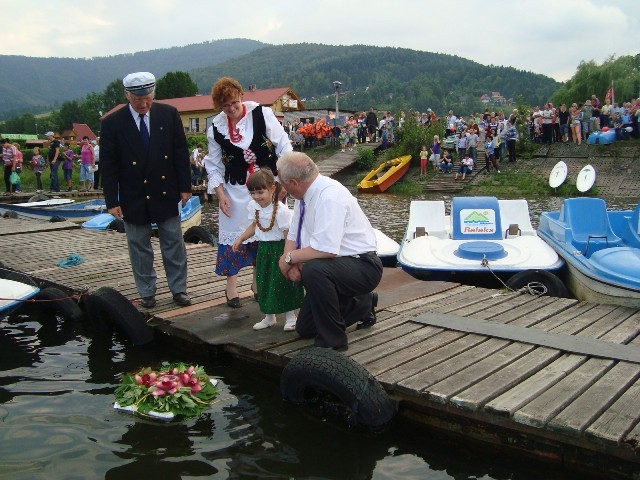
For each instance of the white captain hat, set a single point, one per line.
(139, 83)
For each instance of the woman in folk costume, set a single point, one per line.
(243, 137)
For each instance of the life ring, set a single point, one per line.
(10, 214)
(199, 234)
(553, 286)
(108, 309)
(59, 302)
(325, 378)
(117, 225)
(38, 197)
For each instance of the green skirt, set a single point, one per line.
(276, 293)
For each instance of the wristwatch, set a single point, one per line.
(287, 258)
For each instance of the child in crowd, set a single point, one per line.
(271, 219)
(342, 137)
(466, 166)
(490, 148)
(67, 166)
(423, 161)
(19, 160)
(37, 163)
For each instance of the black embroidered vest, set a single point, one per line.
(233, 157)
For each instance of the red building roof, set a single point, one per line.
(201, 103)
(83, 130)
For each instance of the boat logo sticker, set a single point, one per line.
(478, 221)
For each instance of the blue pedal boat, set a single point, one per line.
(601, 248)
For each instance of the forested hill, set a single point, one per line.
(390, 78)
(386, 78)
(29, 84)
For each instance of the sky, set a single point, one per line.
(550, 37)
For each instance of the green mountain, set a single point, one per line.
(383, 77)
(29, 84)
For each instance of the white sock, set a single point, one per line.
(270, 317)
(290, 317)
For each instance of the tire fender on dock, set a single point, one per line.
(553, 285)
(199, 234)
(316, 372)
(108, 309)
(59, 302)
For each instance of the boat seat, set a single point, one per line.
(513, 231)
(516, 212)
(426, 217)
(476, 218)
(588, 224)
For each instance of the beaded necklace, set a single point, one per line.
(234, 133)
(273, 218)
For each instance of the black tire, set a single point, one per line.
(59, 302)
(199, 234)
(57, 218)
(116, 225)
(108, 309)
(10, 214)
(552, 284)
(39, 197)
(320, 376)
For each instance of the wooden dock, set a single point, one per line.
(553, 378)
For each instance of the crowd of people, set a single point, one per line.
(87, 161)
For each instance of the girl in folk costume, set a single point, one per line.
(243, 137)
(270, 221)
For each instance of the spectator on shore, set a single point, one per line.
(37, 163)
(54, 161)
(587, 113)
(564, 120)
(18, 165)
(446, 165)
(372, 124)
(605, 113)
(97, 184)
(489, 154)
(466, 166)
(67, 165)
(435, 152)
(576, 123)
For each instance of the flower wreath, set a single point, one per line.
(175, 389)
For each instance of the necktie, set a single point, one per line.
(144, 132)
(298, 243)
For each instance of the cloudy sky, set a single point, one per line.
(544, 36)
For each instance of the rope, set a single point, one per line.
(531, 288)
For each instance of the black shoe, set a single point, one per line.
(371, 318)
(232, 302)
(148, 302)
(181, 299)
(341, 348)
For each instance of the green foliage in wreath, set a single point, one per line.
(175, 388)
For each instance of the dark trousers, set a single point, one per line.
(336, 296)
(7, 177)
(511, 146)
(55, 181)
(96, 178)
(38, 180)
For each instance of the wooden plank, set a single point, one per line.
(618, 419)
(569, 343)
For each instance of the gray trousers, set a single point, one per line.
(174, 256)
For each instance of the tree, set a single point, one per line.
(175, 85)
(113, 95)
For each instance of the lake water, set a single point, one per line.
(57, 420)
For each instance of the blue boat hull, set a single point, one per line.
(73, 211)
(601, 248)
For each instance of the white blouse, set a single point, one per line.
(283, 220)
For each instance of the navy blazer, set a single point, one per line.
(146, 184)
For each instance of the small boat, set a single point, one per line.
(601, 248)
(386, 248)
(190, 216)
(65, 208)
(387, 173)
(13, 294)
(483, 237)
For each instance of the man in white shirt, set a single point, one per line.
(330, 248)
